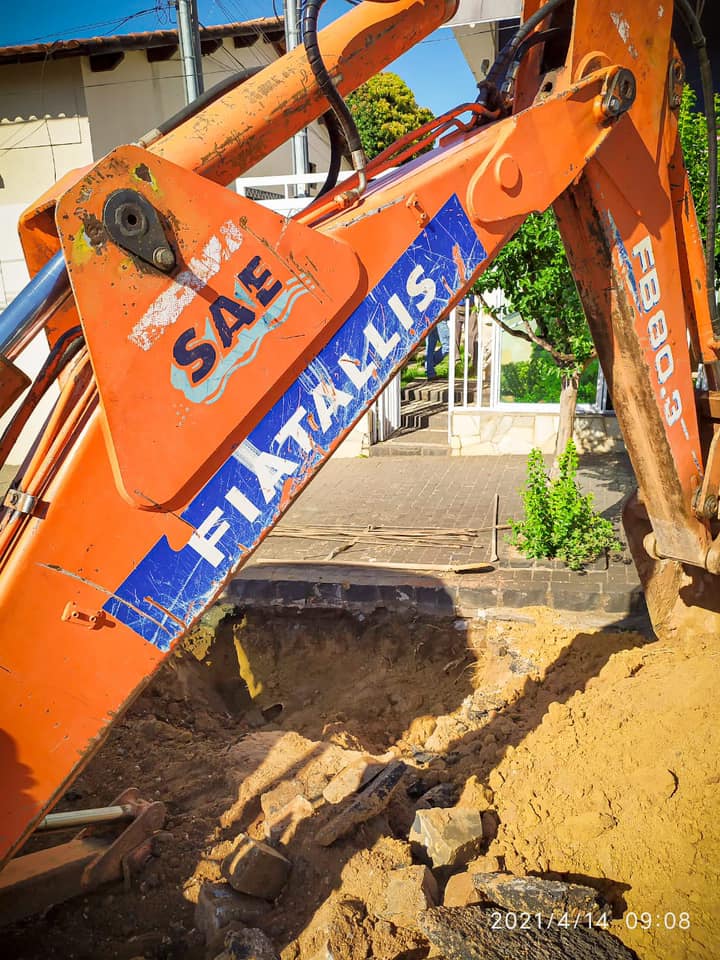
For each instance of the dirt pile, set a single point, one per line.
(590, 756)
(618, 785)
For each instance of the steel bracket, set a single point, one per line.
(19, 501)
(134, 224)
(98, 854)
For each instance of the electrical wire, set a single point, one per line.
(117, 22)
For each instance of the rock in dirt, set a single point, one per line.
(442, 795)
(341, 935)
(550, 898)
(447, 837)
(481, 933)
(249, 944)
(282, 826)
(352, 778)
(410, 891)
(273, 800)
(368, 803)
(255, 868)
(218, 906)
(460, 890)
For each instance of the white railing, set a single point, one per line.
(385, 412)
(290, 190)
(482, 352)
(478, 343)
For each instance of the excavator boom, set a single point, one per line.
(214, 354)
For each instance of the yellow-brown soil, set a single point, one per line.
(597, 750)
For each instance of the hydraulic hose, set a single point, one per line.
(497, 73)
(190, 109)
(327, 87)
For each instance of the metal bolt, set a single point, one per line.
(710, 507)
(613, 106)
(163, 258)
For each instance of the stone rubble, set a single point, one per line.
(255, 868)
(218, 906)
(368, 803)
(410, 891)
(550, 898)
(447, 837)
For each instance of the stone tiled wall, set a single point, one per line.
(493, 433)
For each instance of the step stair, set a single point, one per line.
(408, 441)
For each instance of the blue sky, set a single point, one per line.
(435, 69)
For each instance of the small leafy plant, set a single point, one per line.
(560, 522)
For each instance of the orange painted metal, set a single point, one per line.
(249, 123)
(246, 124)
(64, 679)
(58, 706)
(620, 231)
(209, 350)
(13, 383)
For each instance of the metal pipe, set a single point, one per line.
(235, 132)
(300, 152)
(83, 818)
(189, 48)
(36, 301)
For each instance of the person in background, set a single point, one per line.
(436, 347)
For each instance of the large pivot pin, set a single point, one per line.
(134, 224)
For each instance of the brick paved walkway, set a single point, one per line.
(440, 493)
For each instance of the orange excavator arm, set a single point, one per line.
(220, 353)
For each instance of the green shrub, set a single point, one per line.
(560, 521)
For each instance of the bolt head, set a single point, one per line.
(163, 258)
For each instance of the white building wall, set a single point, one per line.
(44, 133)
(127, 102)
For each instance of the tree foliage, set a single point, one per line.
(693, 137)
(533, 272)
(560, 521)
(385, 109)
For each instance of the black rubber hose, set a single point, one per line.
(337, 147)
(499, 69)
(536, 38)
(324, 81)
(706, 80)
(190, 109)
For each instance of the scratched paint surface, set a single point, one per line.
(673, 346)
(168, 588)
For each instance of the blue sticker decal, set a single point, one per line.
(625, 262)
(168, 588)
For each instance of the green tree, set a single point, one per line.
(385, 109)
(560, 521)
(534, 274)
(693, 137)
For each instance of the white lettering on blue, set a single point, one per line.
(311, 417)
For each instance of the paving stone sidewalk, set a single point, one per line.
(443, 494)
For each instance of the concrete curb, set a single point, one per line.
(364, 590)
